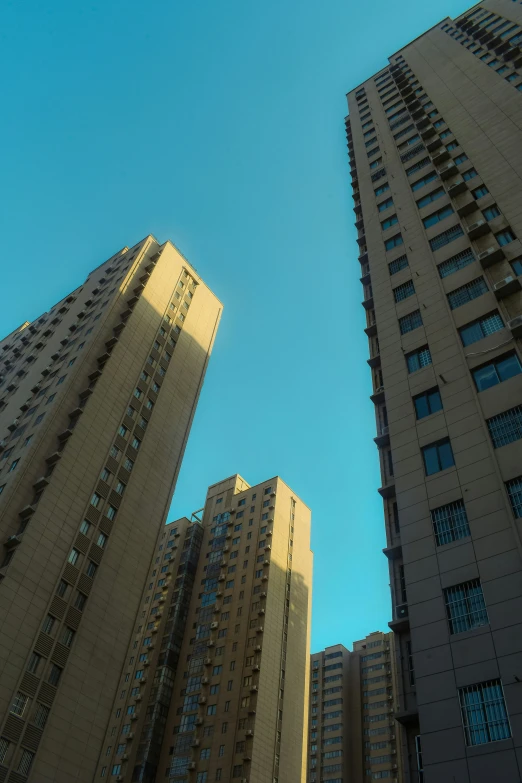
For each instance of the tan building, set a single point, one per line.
(236, 707)
(353, 735)
(97, 400)
(435, 145)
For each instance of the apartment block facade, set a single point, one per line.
(239, 696)
(353, 735)
(435, 147)
(97, 398)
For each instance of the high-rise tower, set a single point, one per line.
(97, 400)
(435, 143)
(229, 701)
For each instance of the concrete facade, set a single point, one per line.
(96, 402)
(239, 705)
(353, 735)
(435, 145)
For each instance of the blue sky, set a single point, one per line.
(220, 126)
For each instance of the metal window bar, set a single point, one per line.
(404, 131)
(484, 713)
(418, 754)
(4, 747)
(466, 293)
(514, 490)
(372, 152)
(398, 264)
(491, 324)
(378, 175)
(456, 262)
(446, 237)
(412, 153)
(450, 523)
(410, 322)
(419, 359)
(401, 120)
(465, 606)
(404, 291)
(506, 427)
(418, 166)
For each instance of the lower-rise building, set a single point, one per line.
(215, 684)
(353, 735)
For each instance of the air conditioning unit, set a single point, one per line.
(392, 736)
(268, 546)
(266, 562)
(390, 697)
(211, 643)
(254, 689)
(198, 722)
(221, 578)
(162, 599)
(125, 757)
(257, 648)
(214, 626)
(268, 532)
(385, 430)
(259, 629)
(226, 548)
(219, 593)
(476, 225)
(191, 765)
(262, 595)
(130, 735)
(207, 661)
(516, 326)
(134, 717)
(202, 700)
(154, 630)
(394, 766)
(228, 535)
(261, 611)
(256, 667)
(503, 283)
(223, 563)
(139, 697)
(455, 187)
(119, 777)
(249, 733)
(195, 743)
(401, 611)
(205, 680)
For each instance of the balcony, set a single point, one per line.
(408, 717)
(490, 256)
(427, 133)
(371, 329)
(388, 489)
(440, 157)
(378, 396)
(478, 229)
(401, 622)
(466, 206)
(515, 325)
(383, 438)
(374, 361)
(509, 285)
(393, 552)
(434, 144)
(447, 171)
(422, 122)
(368, 303)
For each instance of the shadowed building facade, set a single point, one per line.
(353, 735)
(96, 402)
(435, 146)
(228, 699)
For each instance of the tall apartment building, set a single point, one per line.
(97, 400)
(435, 144)
(228, 698)
(352, 730)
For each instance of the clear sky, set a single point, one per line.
(219, 125)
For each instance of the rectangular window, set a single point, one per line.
(491, 212)
(450, 523)
(456, 262)
(467, 293)
(505, 237)
(438, 456)
(479, 192)
(469, 174)
(398, 264)
(446, 237)
(499, 370)
(433, 196)
(19, 704)
(424, 181)
(465, 607)
(26, 760)
(410, 322)
(427, 403)
(418, 166)
(404, 291)
(484, 713)
(54, 675)
(436, 217)
(382, 189)
(418, 359)
(506, 427)
(40, 716)
(389, 222)
(482, 327)
(385, 204)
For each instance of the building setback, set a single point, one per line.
(228, 698)
(96, 402)
(352, 732)
(435, 145)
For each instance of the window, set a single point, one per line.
(101, 540)
(19, 704)
(427, 403)
(382, 189)
(80, 601)
(95, 500)
(34, 663)
(74, 556)
(506, 427)
(418, 359)
(136, 443)
(499, 370)
(424, 181)
(433, 196)
(446, 237)
(123, 431)
(391, 221)
(481, 328)
(13, 465)
(438, 456)
(467, 293)
(397, 265)
(491, 212)
(484, 713)
(40, 717)
(465, 606)
(385, 204)
(456, 262)
(393, 242)
(39, 418)
(85, 527)
(54, 674)
(404, 291)
(67, 637)
(24, 765)
(505, 237)
(91, 569)
(436, 217)
(418, 166)
(128, 464)
(410, 322)
(48, 624)
(116, 769)
(469, 174)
